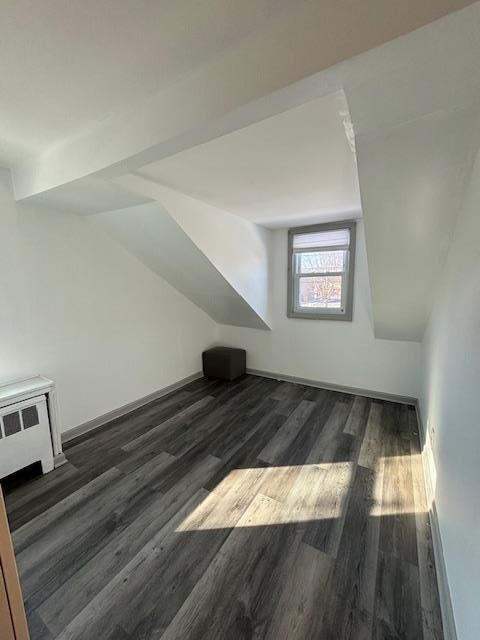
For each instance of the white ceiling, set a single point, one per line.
(67, 66)
(95, 91)
(292, 168)
(69, 71)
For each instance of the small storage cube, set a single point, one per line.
(225, 363)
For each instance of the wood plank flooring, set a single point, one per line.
(253, 509)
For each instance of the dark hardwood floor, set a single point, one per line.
(252, 509)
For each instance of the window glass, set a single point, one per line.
(320, 292)
(321, 264)
(321, 261)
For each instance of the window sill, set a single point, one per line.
(345, 317)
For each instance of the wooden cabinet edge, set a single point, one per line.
(10, 576)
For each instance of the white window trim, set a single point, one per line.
(346, 313)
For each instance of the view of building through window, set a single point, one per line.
(321, 291)
(321, 270)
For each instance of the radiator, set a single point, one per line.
(25, 426)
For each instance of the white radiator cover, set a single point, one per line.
(29, 425)
(25, 432)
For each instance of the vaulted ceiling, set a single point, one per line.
(263, 110)
(293, 168)
(66, 67)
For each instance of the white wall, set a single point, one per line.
(450, 411)
(78, 308)
(344, 353)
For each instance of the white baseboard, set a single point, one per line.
(430, 474)
(95, 423)
(81, 429)
(368, 393)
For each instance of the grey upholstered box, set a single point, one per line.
(226, 363)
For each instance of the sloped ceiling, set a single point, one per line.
(413, 115)
(416, 117)
(66, 67)
(153, 236)
(296, 166)
(236, 247)
(413, 179)
(107, 88)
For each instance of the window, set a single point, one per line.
(321, 262)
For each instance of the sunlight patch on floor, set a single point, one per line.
(292, 494)
(306, 493)
(406, 487)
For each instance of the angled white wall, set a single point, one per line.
(77, 307)
(412, 179)
(159, 242)
(342, 353)
(449, 404)
(237, 248)
(415, 108)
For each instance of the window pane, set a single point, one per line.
(315, 261)
(324, 292)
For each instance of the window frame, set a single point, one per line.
(348, 274)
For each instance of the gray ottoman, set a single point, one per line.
(225, 363)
